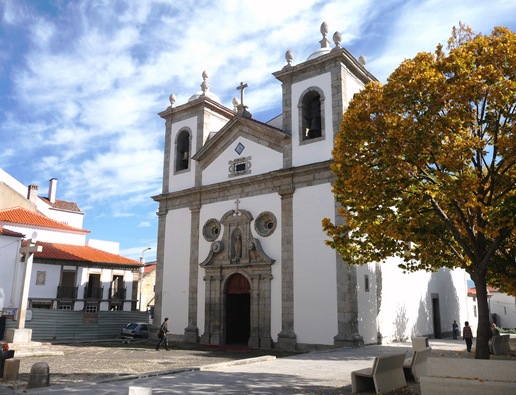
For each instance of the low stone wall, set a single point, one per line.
(471, 376)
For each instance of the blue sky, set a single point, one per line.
(82, 81)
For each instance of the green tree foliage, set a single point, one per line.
(425, 166)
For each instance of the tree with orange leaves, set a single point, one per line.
(425, 166)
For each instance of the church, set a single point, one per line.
(242, 257)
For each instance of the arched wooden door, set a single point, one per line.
(238, 310)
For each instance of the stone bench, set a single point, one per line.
(416, 365)
(386, 375)
(500, 344)
(419, 343)
(468, 376)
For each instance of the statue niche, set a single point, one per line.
(236, 246)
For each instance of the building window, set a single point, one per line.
(65, 307)
(505, 310)
(366, 283)
(239, 166)
(183, 151)
(474, 310)
(41, 305)
(311, 115)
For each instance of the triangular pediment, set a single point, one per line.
(258, 132)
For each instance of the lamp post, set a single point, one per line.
(142, 261)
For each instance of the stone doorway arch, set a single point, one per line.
(235, 256)
(238, 310)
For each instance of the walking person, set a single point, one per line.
(467, 334)
(494, 332)
(455, 328)
(162, 335)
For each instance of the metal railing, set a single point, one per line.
(117, 293)
(93, 292)
(66, 292)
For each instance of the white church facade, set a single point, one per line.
(242, 257)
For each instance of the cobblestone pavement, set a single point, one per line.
(104, 360)
(90, 362)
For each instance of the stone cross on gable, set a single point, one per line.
(241, 88)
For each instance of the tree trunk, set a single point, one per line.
(483, 330)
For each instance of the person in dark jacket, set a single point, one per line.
(162, 335)
(455, 328)
(467, 335)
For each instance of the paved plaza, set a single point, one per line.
(115, 367)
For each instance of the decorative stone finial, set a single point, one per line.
(362, 60)
(205, 86)
(325, 43)
(337, 39)
(289, 57)
(172, 100)
(236, 103)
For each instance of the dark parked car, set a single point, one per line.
(136, 330)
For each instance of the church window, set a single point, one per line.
(311, 115)
(366, 283)
(239, 166)
(182, 151)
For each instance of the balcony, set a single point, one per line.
(69, 293)
(93, 292)
(117, 293)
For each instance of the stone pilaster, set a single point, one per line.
(191, 334)
(287, 338)
(160, 263)
(347, 301)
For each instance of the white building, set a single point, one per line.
(241, 250)
(502, 308)
(71, 272)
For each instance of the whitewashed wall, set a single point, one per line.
(67, 217)
(504, 306)
(176, 270)
(352, 86)
(50, 236)
(48, 289)
(9, 248)
(112, 247)
(367, 304)
(263, 160)
(315, 291)
(404, 317)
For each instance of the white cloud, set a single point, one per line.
(88, 77)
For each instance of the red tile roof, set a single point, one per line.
(62, 205)
(473, 291)
(22, 216)
(7, 232)
(79, 253)
(149, 268)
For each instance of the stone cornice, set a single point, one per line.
(261, 184)
(342, 55)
